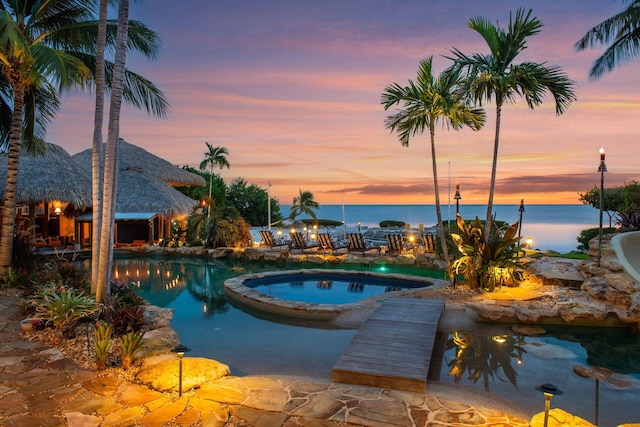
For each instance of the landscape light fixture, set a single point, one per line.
(549, 390)
(602, 169)
(180, 350)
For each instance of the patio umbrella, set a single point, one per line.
(52, 176)
(132, 156)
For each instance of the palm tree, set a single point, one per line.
(215, 156)
(622, 31)
(105, 259)
(303, 203)
(495, 75)
(28, 63)
(425, 103)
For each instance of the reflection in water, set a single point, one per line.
(485, 356)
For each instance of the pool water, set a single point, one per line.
(489, 358)
(326, 288)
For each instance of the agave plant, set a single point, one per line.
(130, 345)
(63, 306)
(101, 343)
(486, 262)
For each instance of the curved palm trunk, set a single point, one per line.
(494, 166)
(110, 161)
(443, 242)
(96, 149)
(13, 161)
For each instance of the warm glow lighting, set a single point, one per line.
(279, 233)
(412, 238)
(529, 242)
(601, 153)
(500, 339)
(313, 237)
(293, 230)
(58, 211)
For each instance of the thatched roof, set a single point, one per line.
(139, 192)
(54, 176)
(132, 156)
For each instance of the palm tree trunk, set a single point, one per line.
(443, 242)
(96, 149)
(494, 166)
(110, 161)
(13, 161)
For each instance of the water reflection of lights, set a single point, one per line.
(500, 339)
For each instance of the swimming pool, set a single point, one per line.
(260, 344)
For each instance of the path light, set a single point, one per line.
(549, 390)
(529, 242)
(359, 224)
(602, 169)
(180, 350)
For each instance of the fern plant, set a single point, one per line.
(486, 262)
(130, 344)
(101, 344)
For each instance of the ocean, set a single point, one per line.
(551, 227)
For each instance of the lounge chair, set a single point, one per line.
(326, 242)
(299, 242)
(429, 241)
(270, 241)
(358, 244)
(396, 244)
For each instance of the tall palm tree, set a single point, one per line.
(214, 156)
(303, 203)
(496, 76)
(96, 148)
(622, 31)
(105, 261)
(425, 103)
(28, 62)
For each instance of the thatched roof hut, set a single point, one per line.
(139, 192)
(134, 157)
(53, 176)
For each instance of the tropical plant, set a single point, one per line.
(622, 204)
(250, 201)
(622, 31)
(101, 344)
(485, 357)
(226, 230)
(496, 76)
(28, 63)
(425, 103)
(63, 306)
(123, 318)
(486, 262)
(214, 156)
(130, 344)
(588, 234)
(303, 203)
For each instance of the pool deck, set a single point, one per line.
(392, 349)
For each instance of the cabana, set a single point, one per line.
(50, 188)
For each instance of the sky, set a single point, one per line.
(292, 89)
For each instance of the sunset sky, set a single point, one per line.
(292, 89)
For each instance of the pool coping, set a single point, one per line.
(235, 289)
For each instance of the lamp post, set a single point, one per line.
(180, 350)
(549, 390)
(457, 197)
(602, 169)
(269, 206)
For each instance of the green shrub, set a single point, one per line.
(124, 293)
(590, 233)
(101, 344)
(392, 223)
(63, 306)
(486, 263)
(130, 344)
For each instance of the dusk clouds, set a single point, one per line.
(292, 89)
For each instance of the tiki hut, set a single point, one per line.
(51, 187)
(146, 202)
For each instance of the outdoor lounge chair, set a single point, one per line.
(326, 242)
(300, 243)
(396, 244)
(358, 244)
(429, 241)
(270, 241)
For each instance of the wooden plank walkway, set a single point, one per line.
(392, 348)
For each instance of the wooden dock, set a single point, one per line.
(393, 347)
